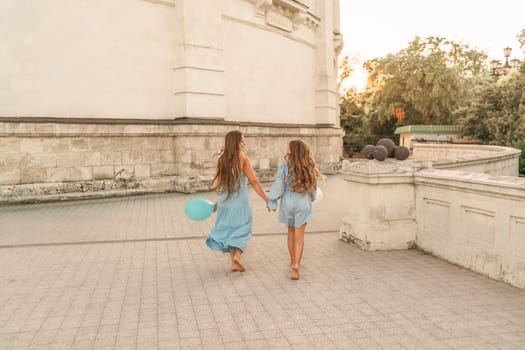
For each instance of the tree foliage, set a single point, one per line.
(435, 81)
(429, 82)
(498, 116)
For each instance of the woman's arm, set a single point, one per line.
(246, 166)
(278, 185)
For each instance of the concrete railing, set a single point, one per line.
(471, 158)
(473, 219)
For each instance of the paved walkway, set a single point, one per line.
(134, 273)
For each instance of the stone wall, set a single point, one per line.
(470, 158)
(473, 219)
(234, 60)
(133, 96)
(53, 160)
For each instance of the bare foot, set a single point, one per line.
(236, 264)
(295, 272)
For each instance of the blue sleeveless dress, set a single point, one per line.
(233, 225)
(295, 208)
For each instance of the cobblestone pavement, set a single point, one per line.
(133, 273)
(156, 216)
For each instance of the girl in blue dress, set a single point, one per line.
(295, 185)
(233, 225)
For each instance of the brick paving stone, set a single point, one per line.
(134, 273)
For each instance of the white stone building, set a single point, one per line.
(136, 95)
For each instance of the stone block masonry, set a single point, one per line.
(55, 159)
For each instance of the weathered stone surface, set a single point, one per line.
(110, 158)
(142, 171)
(32, 145)
(167, 156)
(81, 173)
(41, 160)
(9, 145)
(58, 174)
(9, 175)
(131, 157)
(150, 160)
(93, 159)
(53, 145)
(79, 144)
(70, 159)
(103, 172)
(33, 175)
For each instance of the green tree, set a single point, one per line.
(353, 121)
(430, 82)
(498, 115)
(360, 129)
(351, 111)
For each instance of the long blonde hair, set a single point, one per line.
(302, 170)
(228, 173)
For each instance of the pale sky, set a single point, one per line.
(374, 28)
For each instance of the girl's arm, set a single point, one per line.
(278, 185)
(246, 166)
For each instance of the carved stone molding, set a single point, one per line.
(299, 18)
(286, 15)
(261, 6)
(294, 6)
(312, 21)
(279, 19)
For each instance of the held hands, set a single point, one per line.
(268, 205)
(271, 205)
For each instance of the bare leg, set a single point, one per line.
(236, 261)
(291, 231)
(231, 256)
(298, 251)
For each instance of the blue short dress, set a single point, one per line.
(295, 208)
(233, 225)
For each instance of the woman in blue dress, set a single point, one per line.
(233, 225)
(295, 185)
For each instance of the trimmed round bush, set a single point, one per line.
(388, 144)
(380, 152)
(401, 152)
(368, 151)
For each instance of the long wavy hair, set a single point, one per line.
(302, 170)
(228, 173)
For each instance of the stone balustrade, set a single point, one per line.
(473, 219)
(470, 158)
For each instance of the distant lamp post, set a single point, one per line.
(515, 63)
(498, 69)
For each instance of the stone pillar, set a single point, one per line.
(381, 205)
(326, 99)
(199, 68)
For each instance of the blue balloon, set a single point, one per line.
(199, 209)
